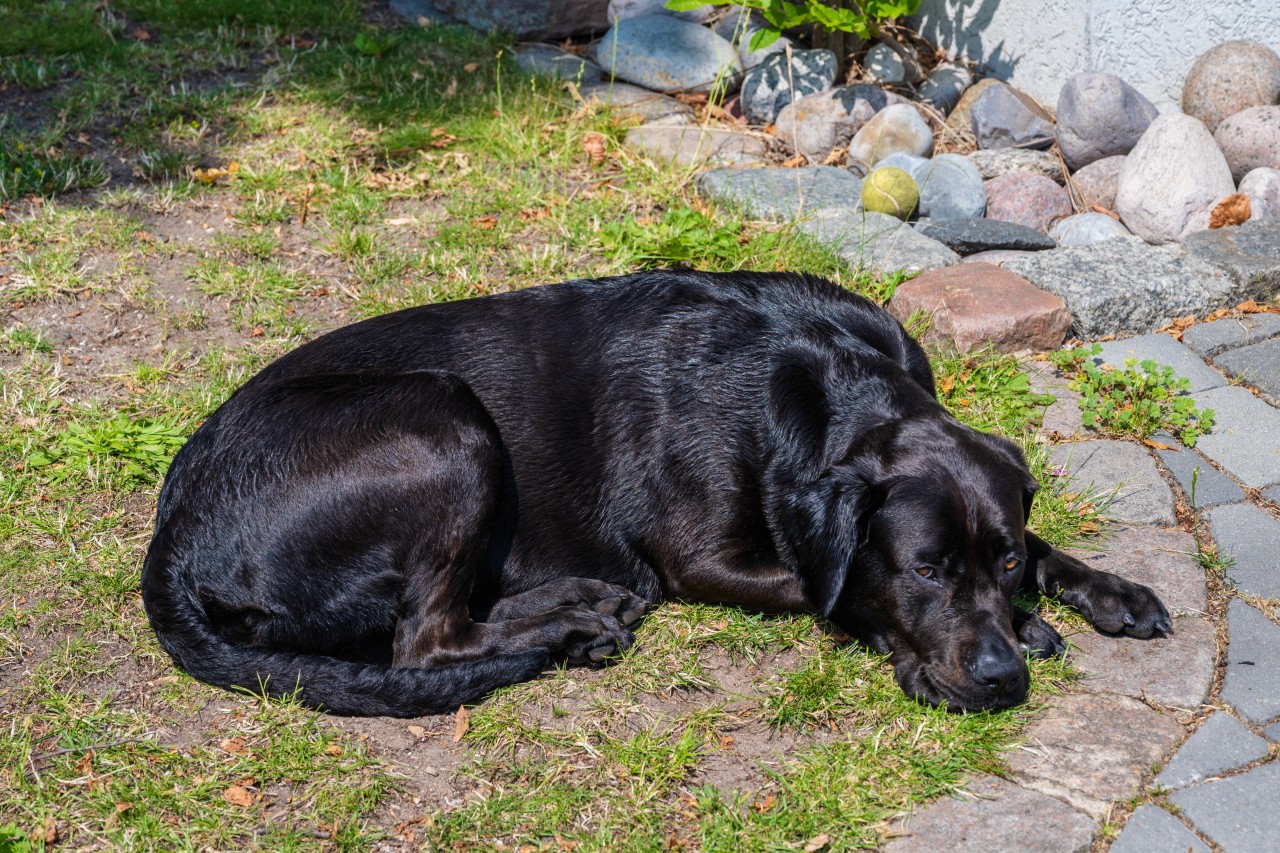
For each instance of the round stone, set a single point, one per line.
(1100, 115)
(1262, 186)
(1175, 173)
(1026, 199)
(776, 82)
(950, 188)
(944, 86)
(620, 9)
(1231, 77)
(1003, 117)
(1096, 182)
(883, 63)
(890, 190)
(663, 53)
(816, 124)
(1250, 139)
(896, 128)
(1085, 229)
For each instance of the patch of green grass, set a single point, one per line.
(988, 390)
(1135, 400)
(123, 452)
(26, 170)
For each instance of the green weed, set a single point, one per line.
(126, 452)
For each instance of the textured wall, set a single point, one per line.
(1038, 44)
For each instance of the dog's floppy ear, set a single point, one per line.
(1013, 455)
(799, 414)
(824, 523)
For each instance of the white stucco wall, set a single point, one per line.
(1038, 44)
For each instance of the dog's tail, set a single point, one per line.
(317, 681)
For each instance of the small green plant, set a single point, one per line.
(863, 21)
(139, 449)
(1136, 400)
(681, 235)
(25, 170)
(13, 840)
(987, 390)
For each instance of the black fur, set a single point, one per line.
(414, 510)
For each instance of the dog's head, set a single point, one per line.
(910, 536)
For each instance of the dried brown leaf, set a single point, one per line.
(1232, 210)
(238, 795)
(235, 746)
(817, 843)
(461, 722)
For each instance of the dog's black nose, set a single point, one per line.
(999, 673)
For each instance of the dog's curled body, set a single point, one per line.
(411, 511)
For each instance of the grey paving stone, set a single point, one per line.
(1091, 749)
(1175, 671)
(877, 242)
(1251, 537)
(1250, 253)
(1272, 494)
(1194, 474)
(1256, 364)
(1062, 416)
(1221, 744)
(1209, 339)
(1004, 816)
(1163, 350)
(1151, 829)
(781, 193)
(1162, 559)
(1239, 814)
(1123, 475)
(1273, 732)
(1245, 438)
(1252, 683)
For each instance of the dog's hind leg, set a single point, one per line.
(600, 596)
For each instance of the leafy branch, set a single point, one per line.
(780, 15)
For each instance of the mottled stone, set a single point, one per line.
(882, 63)
(1174, 172)
(817, 124)
(1252, 681)
(663, 53)
(1245, 438)
(1220, 744)
(1262, 186)
(1091, 749)
(782, 78)
(690, 144)
(976, 305)
(1100, 115)
(1157, 557)
(781, 194)
(876, 242)
(623, 99)
(1250, 537)
(1096, 183)
(1250, 139)
(552, 62)
(1163, 350)
(950, 188)
(1122, 478)
(1176, 670)
(1124, 285)
(1152, 829)
(896, 128)
(1031, 200)
(1210, 339)
(1257, 365)
(995, 257)
(530, 20)
(968, 236)
(944, 86)
(1231, 77)
(999, 816)
(1204, 485)
(1248, 253)
(1006, 161)
(1003, 117)
(1238, 814)
(1085, 229)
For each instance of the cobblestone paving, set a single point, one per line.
(1190, 724)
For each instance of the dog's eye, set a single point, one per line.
(1012, 564)
(925, 571)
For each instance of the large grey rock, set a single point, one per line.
(1003, 161)
(1164, 351)
(896, 128)
(1121, 476)
(1231, 77)
(623, 99)
(908, 163)
(1100, 115)
(782, 194)
(944, 86)
(817, 124)
(1085, 229)
(532, 20)
(1219, 745)
(663, 53)
(1174, 173)
(1239, 814)
(1092, 749)
(876, 242)
(969, 236)
(1031, 200)
(1124, 285)
(780, 79)
(1249, 253)
(961, 118)
(1159, 558)
(691, 145)
(421, 12)
(995, 257)
(1250, 140)
(1252, 681)
(551, 61)
(1204, 485)
(1258, 365)
(1210, 339)
(1262, 186)
(619, 9)
(1176, 671)
(998, 816)
(1245, 438)
(1003, 117)
(883, 63)
(1096, 183)
(1251, 538)
(1151, 828)
(950, 188)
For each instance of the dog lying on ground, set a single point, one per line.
(414, 510)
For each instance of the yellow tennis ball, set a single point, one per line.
(890, 190)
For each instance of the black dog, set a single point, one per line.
(414, 510)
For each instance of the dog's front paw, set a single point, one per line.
(595, 638)
(1037, 637)
(1115, 605)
